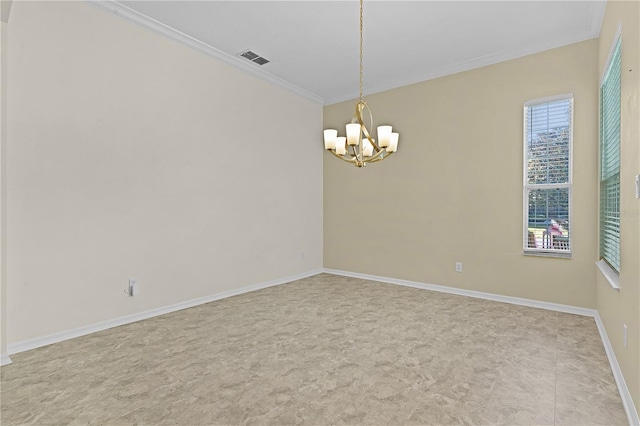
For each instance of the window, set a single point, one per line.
(548, 135)
(610, 161)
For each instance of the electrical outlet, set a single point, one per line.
(301, 255)
(625, 335)
(458, 266)
(134, 288)
(637, 186)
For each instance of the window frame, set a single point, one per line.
(609, 270)
(547, 252)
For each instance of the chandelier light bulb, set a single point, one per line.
(384, 136)
(353, 133)
(341, 148)
(393, 143)
(330, 136)
(367, 148)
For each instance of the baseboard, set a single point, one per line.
(627, 401)
(471, 293)
(4, 359)
(104, 325)
(625, 395)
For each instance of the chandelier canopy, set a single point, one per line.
(358, 147)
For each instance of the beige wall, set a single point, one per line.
(134, 156)
(453, 192)
(619, 307)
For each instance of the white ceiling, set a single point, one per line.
(313, 45)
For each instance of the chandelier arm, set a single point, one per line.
(355, 153)
(348, 160)
(359, 108)
(357, 158)
(379, 156)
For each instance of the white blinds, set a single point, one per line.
(610, 162)
(548, 137)
(548, 134)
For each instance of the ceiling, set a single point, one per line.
(312, 46)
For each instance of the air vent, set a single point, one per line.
(260, 60)
(249, 55)
(254, 57)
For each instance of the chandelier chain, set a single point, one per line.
(361, 1)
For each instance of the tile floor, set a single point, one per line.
(324, 350)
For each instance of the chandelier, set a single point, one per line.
(358, 147)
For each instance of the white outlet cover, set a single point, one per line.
(134, 288)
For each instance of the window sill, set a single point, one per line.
(608, 272)
(565, 255)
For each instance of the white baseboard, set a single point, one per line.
(471, 293)
(625, 395)
(4, 359)
(104, 325)
(627, 401)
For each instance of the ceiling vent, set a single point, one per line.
(254, 57)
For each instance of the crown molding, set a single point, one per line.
(597, 16)
(121, 11)
(589, 32)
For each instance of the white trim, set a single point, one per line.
(612, 48)
(548, 185)
(550, 253)
(547, 99)
(4, 360)
(141, 20)
(37, 342)
(608, 272)
(576, 310)
(625, 395)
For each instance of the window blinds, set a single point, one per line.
(548, 137)
(610, 162)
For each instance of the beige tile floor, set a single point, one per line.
(324, 350)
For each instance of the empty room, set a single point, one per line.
(320, 212)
